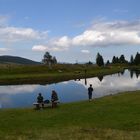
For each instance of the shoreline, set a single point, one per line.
(17, 79)
(76, 102)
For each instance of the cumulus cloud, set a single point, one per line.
(42, 48)
(100, 34)
(85, 51)
(62, 42)
(17, 34)
(11, 34)
(4, 49)
(110, 33)
(39, 48)
(59, 44)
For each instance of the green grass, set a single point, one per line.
(37, 74)
(109, 118)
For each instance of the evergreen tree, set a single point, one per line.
(131, 60)
(99, 60)
(122, 59)
(137, 59)
(107, 63)
(114, 60)
(117, 60)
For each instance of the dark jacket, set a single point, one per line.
(54, 96)
(90, 90)
(40, 99)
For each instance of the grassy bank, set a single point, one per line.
(109, 118)
(20, 74)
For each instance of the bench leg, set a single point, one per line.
(40, 105)
(37, 106)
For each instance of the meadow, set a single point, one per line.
(109, 118)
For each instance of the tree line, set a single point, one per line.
(118, 60)
(49, 60)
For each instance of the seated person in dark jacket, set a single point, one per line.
(40, 99)
(54, 98)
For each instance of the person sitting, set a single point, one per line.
(40, 100)
(54, 99)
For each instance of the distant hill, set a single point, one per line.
(5, 59)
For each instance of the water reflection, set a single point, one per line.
(85, 81)
(131, 73)
(122, 72)
(69, 91)
(137, 74)
(134, 73)
(100, 78)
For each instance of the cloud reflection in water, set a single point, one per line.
(68, 91)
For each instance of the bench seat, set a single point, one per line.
(39, 105)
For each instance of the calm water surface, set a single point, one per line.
(18, 96)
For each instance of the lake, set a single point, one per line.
(20, 96)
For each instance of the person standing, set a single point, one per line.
(90, 90)
(54, 99)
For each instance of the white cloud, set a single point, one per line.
(42, 48)
(17, 34)
(88, 38)
(59, 44)
(85, 51)
(110, 33)
(4, 49)
(101, 34)
(62, 42)
(11, 34)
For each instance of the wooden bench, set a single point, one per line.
(39, 105)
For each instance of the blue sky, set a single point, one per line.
(71, 30)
